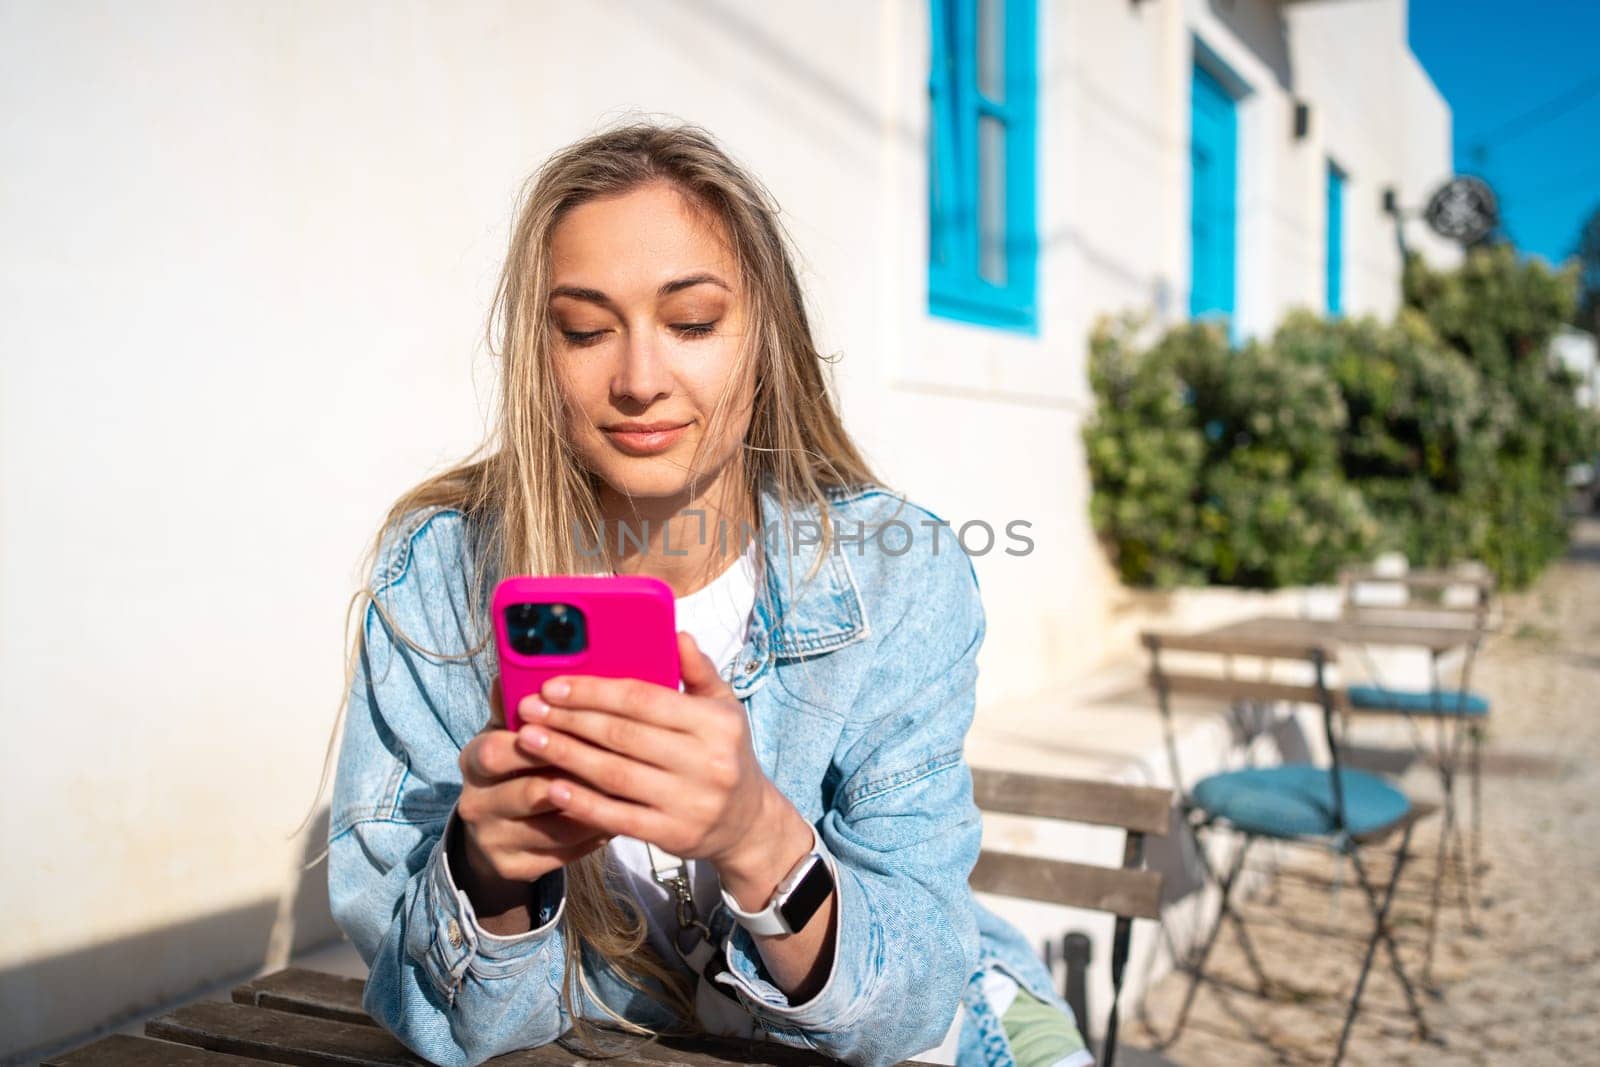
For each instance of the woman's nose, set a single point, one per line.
(642, 374)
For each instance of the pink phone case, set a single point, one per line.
(630, 624)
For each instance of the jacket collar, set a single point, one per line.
(795, 617)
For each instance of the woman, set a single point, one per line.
(619, 858)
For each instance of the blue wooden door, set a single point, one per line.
(1335, 260)
(1213, 150)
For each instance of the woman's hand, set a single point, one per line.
(511, 831)
(671, 768)
(678, 770)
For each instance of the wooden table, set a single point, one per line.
(307, 1017)
(1260, 634)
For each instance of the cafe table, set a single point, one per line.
(301, 1016)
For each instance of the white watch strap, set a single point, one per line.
(769, 920)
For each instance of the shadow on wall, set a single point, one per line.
(62, 1001)
(1263, 29)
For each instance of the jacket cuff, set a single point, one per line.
(457, 943)
(845, 993)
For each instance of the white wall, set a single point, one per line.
(248, 253)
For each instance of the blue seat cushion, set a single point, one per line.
(1296, 800)
(1420, 701)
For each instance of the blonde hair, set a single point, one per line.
(525, 493)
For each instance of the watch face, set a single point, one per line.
(804, 900)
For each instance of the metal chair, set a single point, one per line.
(1335, 808)
(1460, 715)
(1128, 892)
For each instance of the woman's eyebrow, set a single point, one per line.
(595, 296)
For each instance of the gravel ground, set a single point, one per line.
(1523, 986)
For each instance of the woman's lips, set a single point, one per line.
(646, 442)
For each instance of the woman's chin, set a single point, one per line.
(647, 479)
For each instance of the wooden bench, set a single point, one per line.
(1128, 892)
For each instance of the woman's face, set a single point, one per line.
(648, 323)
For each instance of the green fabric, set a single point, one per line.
(1039, 1034)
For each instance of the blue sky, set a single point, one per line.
(1506, 68)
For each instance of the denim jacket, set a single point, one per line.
(860, 688)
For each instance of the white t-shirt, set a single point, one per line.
(718, 618)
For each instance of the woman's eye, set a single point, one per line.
(686, 329)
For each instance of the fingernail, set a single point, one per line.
(540, 709)
(556, 689)
(534, 738)
(560, 793)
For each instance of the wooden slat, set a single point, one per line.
(1242, 688)
(278, 1037)
(1418, 579)
(303, 992)
(126, 1050)
(1424, 616)
(265, 1035)
(1226, 641)
(1134, 894)
(1287, 637)
(1132, 807)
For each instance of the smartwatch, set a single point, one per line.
(796, 899)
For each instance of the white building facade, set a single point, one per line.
(249, 252)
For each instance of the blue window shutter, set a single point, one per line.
(964, 235)
(1213, 214)
(1335, 257)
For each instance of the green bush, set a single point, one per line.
(1501, 313)
(1216, 465)
(1444, 434)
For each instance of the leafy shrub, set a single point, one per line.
(1501, 313)
(1444, 434)
(1215, 465)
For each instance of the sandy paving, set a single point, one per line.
(1525, 987)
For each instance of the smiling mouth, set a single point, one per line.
(645, 438)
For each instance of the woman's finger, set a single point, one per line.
(670, 750)
(645, 701)
(493, 756)
(511, 800)
(529, 866)
(540, 833)
(611, 815)
(610, 772)
(700, 677)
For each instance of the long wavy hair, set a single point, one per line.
(524, 492)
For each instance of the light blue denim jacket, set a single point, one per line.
(860, 690)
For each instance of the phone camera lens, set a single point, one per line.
(545, 629)
(560, 634)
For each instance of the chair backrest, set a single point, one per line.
(1226, 685)
(1129, 892)
(1423, 597)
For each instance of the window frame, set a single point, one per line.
(956, 287)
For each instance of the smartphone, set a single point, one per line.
(613, 627)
